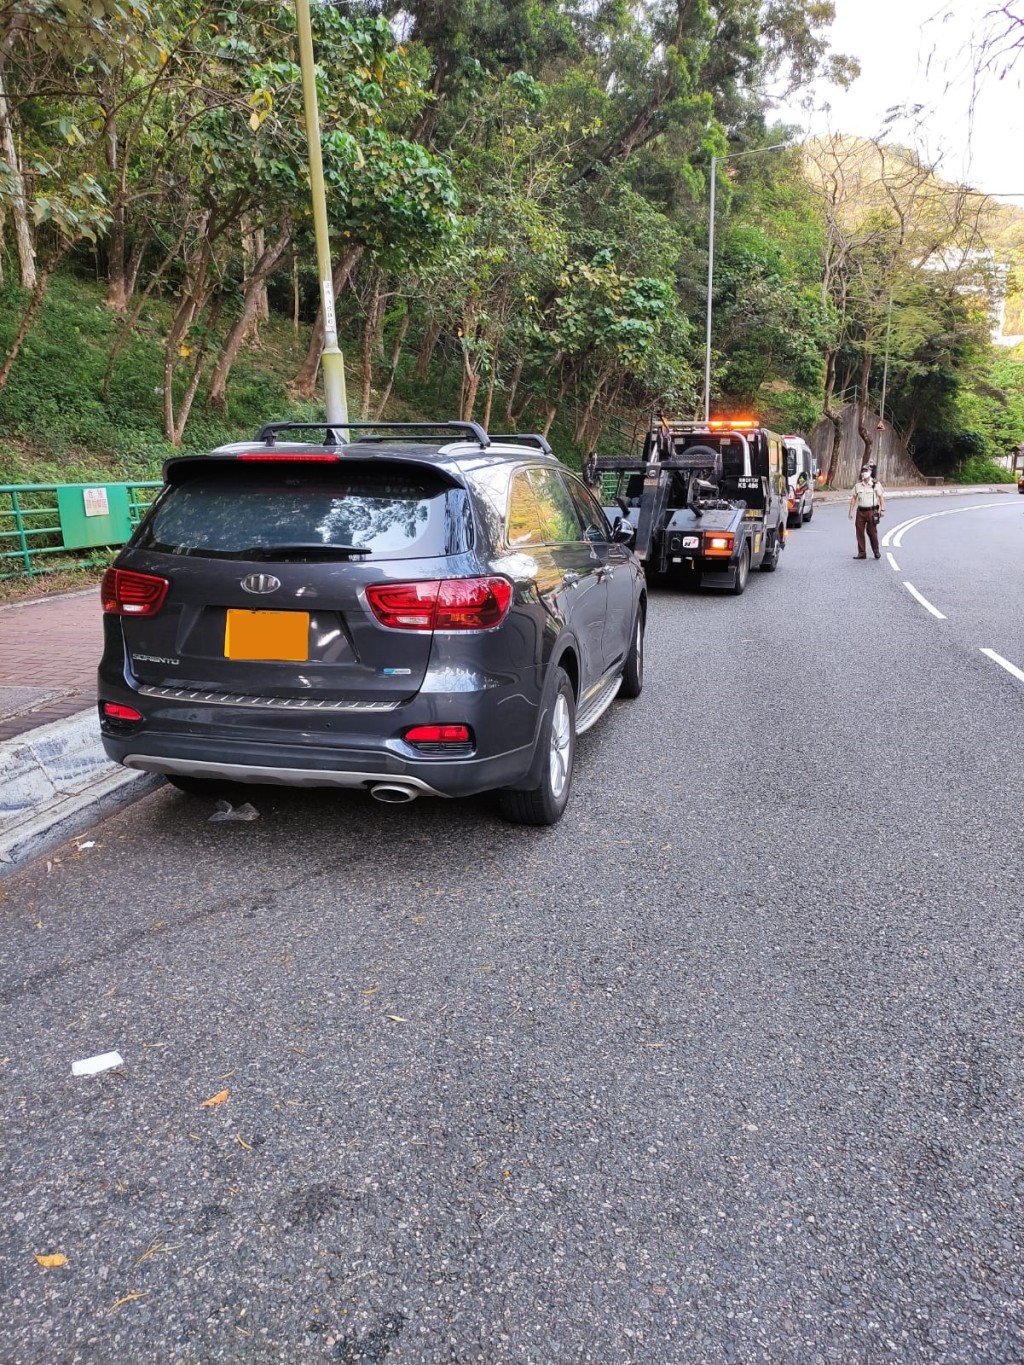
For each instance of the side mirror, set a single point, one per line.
(623, 532)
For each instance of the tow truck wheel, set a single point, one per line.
(544, 804)
(742, 572)
(771, 560)
(633, 673)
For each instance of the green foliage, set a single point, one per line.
(55, 427)
(977, 469)
(526, 184)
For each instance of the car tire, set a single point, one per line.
(771, 560)
(545, 803)
(200, 786)
(633, 672)
(808, 515)
(742, 572)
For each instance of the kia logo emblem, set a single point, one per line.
(260, 582)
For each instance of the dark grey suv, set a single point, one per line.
(422, 609)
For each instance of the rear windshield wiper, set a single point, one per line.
(316, 547)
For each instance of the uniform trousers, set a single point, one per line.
(866, 522)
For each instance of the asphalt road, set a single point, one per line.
(726, 1067)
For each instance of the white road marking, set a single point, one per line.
(894, 536)
(892, 561)
(1004, 663)
(923, 600)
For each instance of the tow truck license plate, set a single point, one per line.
(278, 636)
(691, 542)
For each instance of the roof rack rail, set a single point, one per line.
(533, 438)
(269, 432)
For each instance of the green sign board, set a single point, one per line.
(93, 514)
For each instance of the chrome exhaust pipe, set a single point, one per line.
(393, 793)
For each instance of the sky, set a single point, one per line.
(921, 52)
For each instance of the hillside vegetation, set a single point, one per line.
(518, 200)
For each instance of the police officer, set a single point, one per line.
(868, 497)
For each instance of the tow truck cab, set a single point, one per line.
(706, 499)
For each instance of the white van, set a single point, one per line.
(801, 471)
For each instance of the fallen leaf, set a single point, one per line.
(219, 1098)
(397, 1019)
(57, 1258)
(371, 991)
(156, 1248)
(128, 1298)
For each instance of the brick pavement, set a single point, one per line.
(49, 650)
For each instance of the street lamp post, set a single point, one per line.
(335, 399)
(731, 156)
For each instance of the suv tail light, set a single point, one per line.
(126, 593)
(445, 604)
(277, 457)
(113, 710)
(454, 740)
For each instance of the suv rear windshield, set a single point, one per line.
(244, 512)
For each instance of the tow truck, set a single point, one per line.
(707, 500)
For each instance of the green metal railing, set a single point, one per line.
(35, 529)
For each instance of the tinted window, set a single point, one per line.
(560, 523)
(395, 513)
(524, 526)
(733, 465)
(595, 523)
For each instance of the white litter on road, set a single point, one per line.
(90, 1066)
(225, 811)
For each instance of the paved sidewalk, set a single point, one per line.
(55, 780)
(49, 650)
(952, 490)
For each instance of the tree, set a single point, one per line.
(890, 225)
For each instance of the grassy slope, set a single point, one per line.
(55, 427)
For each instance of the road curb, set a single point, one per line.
(962, 490)
(55, 782)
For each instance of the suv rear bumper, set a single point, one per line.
(308, 766)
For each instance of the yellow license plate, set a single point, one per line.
(278, 636)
